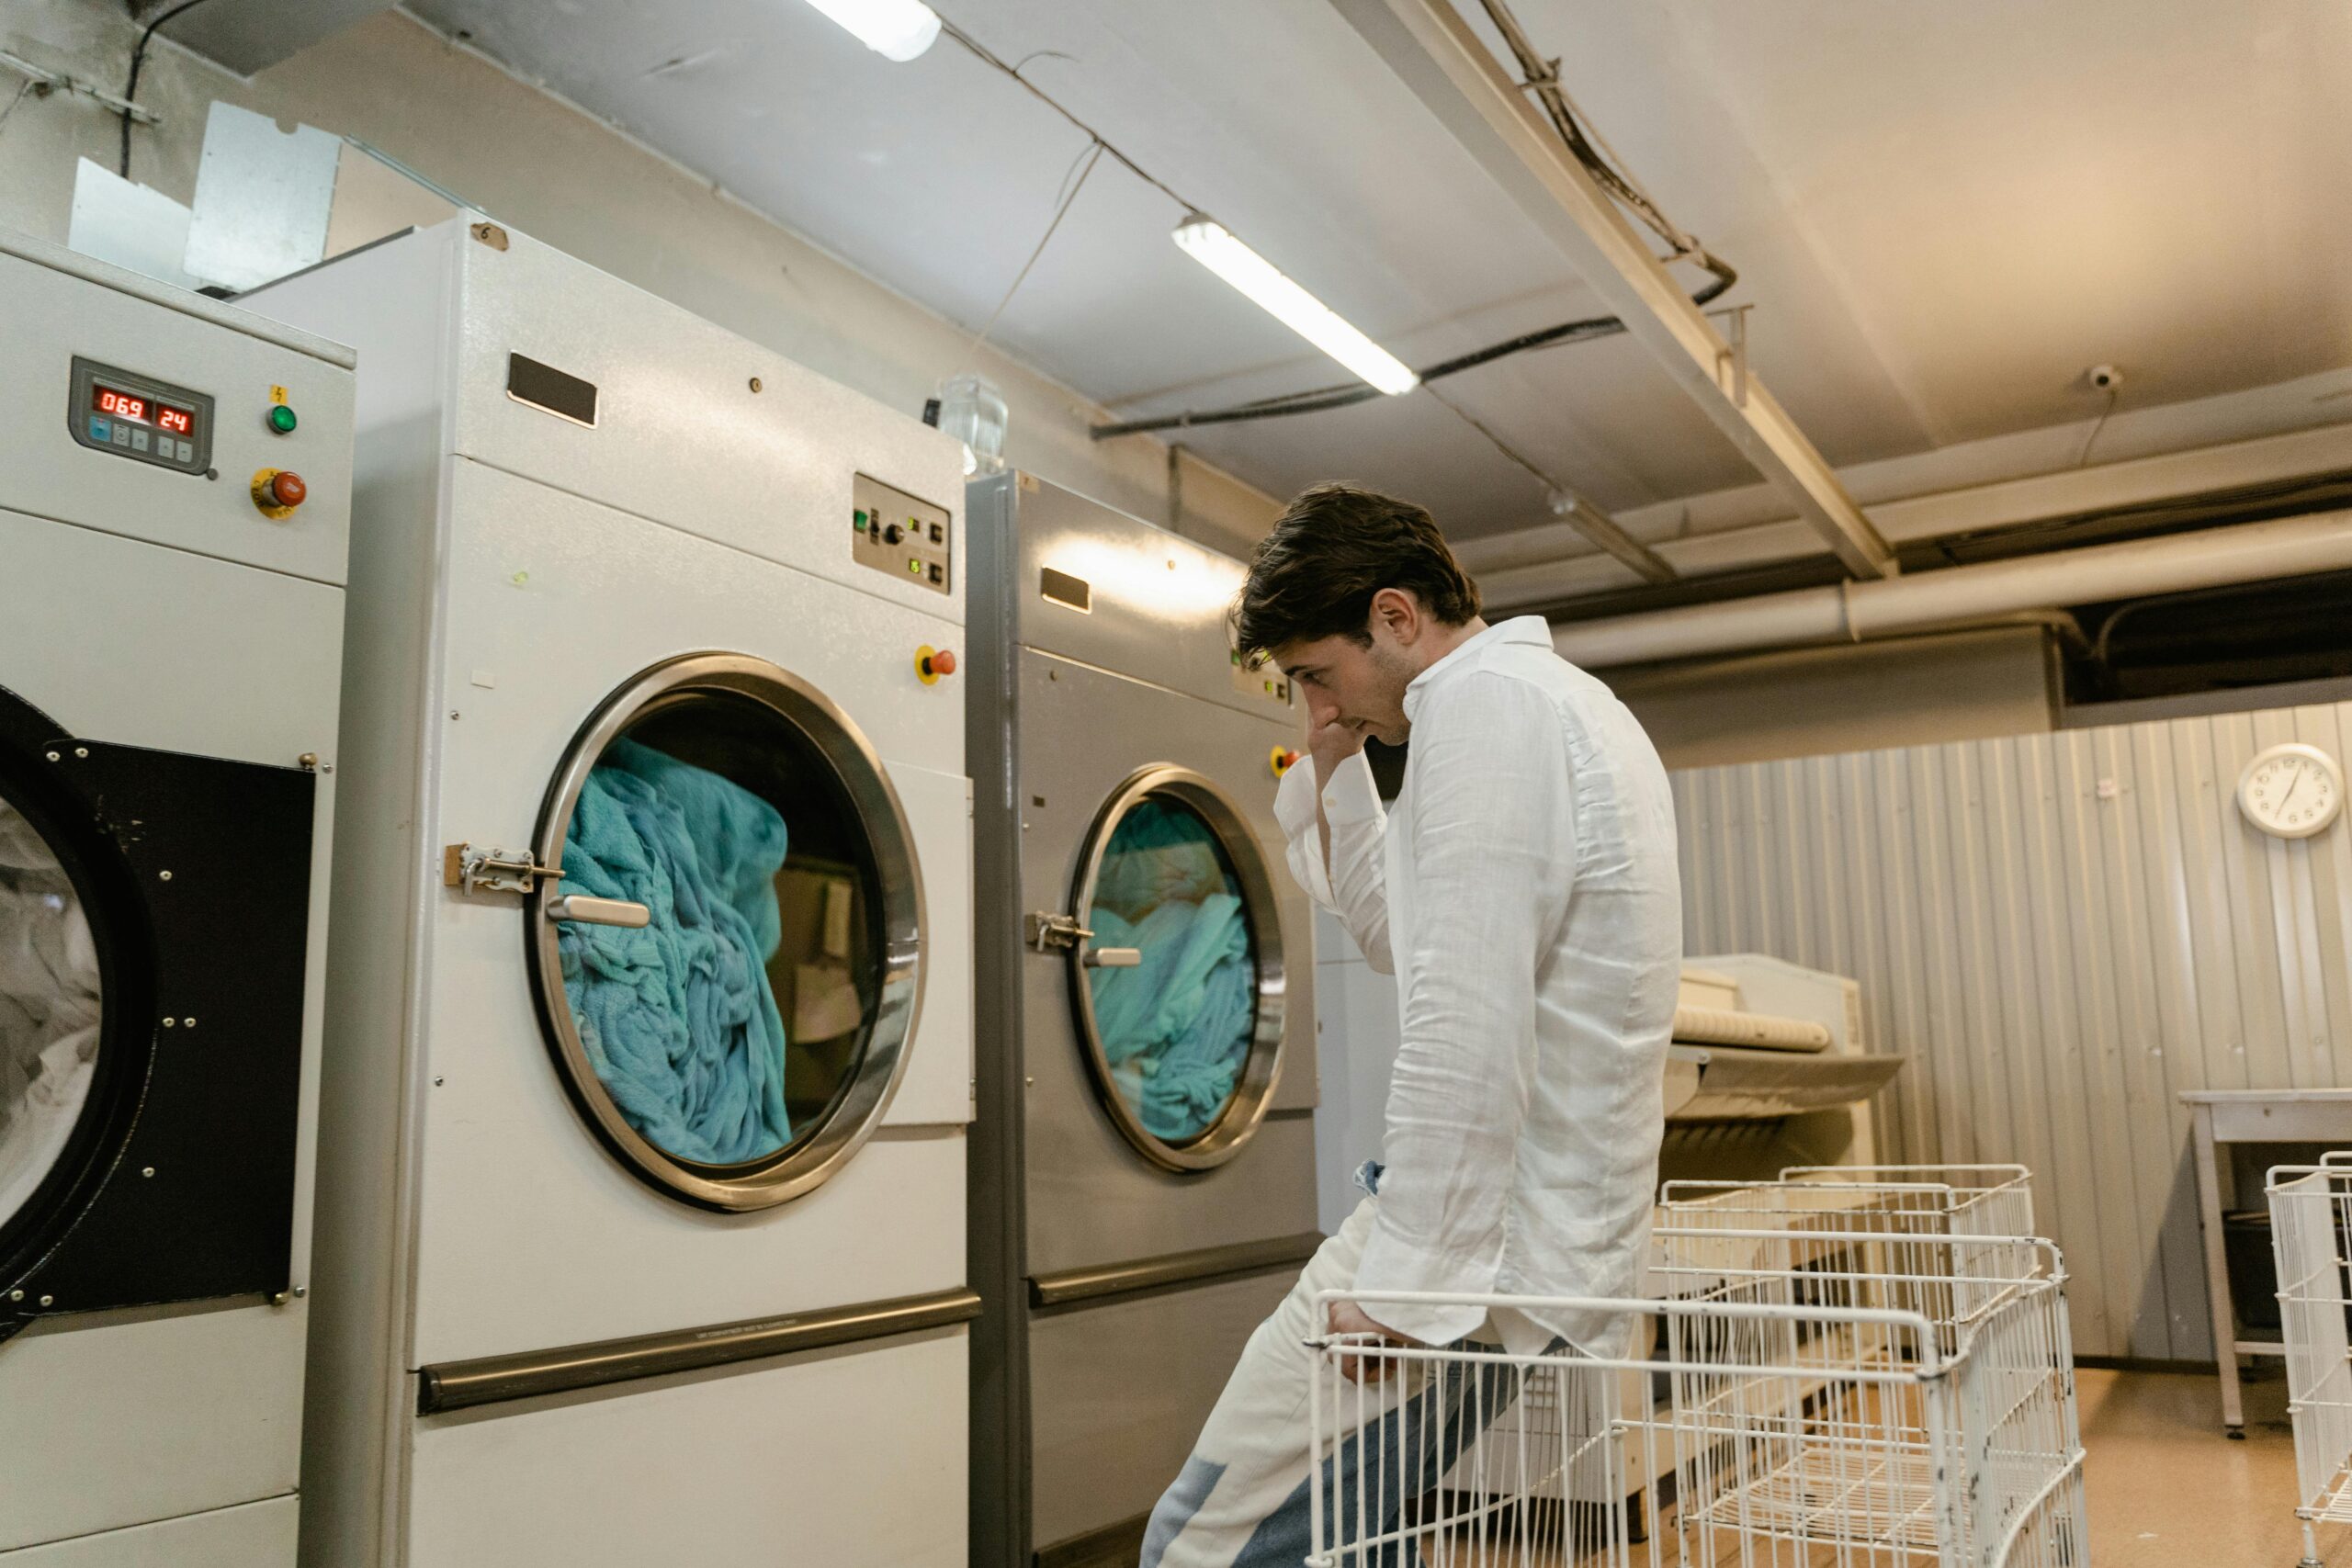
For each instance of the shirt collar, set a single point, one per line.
(1520, 628)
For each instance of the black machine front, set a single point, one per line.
(154, 913)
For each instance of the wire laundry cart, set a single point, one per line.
(1762, 1413)
(1956, 1200)
(1890, 1207)
(1982, 1200)
(2311, 1239)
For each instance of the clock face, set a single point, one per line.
(2292, 790)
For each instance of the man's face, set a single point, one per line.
(1347, 683)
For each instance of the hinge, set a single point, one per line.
(1048, 933)
(472, 869)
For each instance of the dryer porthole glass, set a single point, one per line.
(729, 963)
(1177, 1022)
(1178, 979)
(51, 1006)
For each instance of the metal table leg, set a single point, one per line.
(2217, 1270)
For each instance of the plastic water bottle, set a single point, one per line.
(972, 411)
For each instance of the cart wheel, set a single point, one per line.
(2236, 1434)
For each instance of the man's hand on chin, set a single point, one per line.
(1348, 1318)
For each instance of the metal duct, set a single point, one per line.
(1856, 612)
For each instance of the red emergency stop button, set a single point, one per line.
(277, 491)
(930, 663)
(1284, 759)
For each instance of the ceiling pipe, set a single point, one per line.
(1967, 595)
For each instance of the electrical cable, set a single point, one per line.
(1543, 78)
(989, 57)
(1551, 485)
(1315, 399)
(25, 86)
(1067, 201)
(2100, 423)
(130, 90)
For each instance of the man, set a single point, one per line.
(1524, 892)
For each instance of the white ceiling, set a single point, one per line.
(1942, 213)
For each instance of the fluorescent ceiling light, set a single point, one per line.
(1208, 243)
(895, 29)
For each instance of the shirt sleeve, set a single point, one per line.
(1493, 852)
(1355, 885)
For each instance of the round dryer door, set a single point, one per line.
(154, 954)
(729, 967)
(52, 1007)
(1178, 974)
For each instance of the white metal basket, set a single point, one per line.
(1979, 1200)
(1895, 1229)
(2311, 1240)
(1764, 1415)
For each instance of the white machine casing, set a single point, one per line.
(142, 607)
(513, 568)
(1745, 1116)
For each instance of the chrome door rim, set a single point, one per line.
(804, 1163)
(1262, 1070)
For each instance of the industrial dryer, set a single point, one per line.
(1143, 1160)
(642, 1203)
(174, 485)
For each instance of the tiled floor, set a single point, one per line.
(2167, 1490)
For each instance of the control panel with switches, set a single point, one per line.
(904, 535)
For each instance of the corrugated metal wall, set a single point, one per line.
(2064, 931)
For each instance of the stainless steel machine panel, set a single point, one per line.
(1118, 1394)
(1091, 1198)
(1155, 601)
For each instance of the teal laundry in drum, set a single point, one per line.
(679, 1016)
(1175, 1028)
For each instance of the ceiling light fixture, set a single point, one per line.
(1209, 244)
(895, 29)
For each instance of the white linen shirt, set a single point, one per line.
(1525, 894)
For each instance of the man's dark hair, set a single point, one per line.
(1333, 548)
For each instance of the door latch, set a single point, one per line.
(472, 869)
(1049, 932)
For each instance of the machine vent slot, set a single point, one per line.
(549, 389)
(1061, 588)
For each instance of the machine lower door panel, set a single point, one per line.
(852, 1458)
(1119, 1391)
(256, 1535)
(117, 1423)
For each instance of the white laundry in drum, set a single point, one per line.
(49, 1009)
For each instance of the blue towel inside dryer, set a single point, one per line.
(678, 1016)
(1176, 1028)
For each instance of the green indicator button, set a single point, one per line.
(281, 418)
(860, 523)
(914, 566)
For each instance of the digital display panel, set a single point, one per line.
(121, 405)
(115, 404)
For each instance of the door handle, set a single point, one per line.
(1113, 958)
(599, 911)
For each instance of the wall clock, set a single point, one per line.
(2292, 790)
